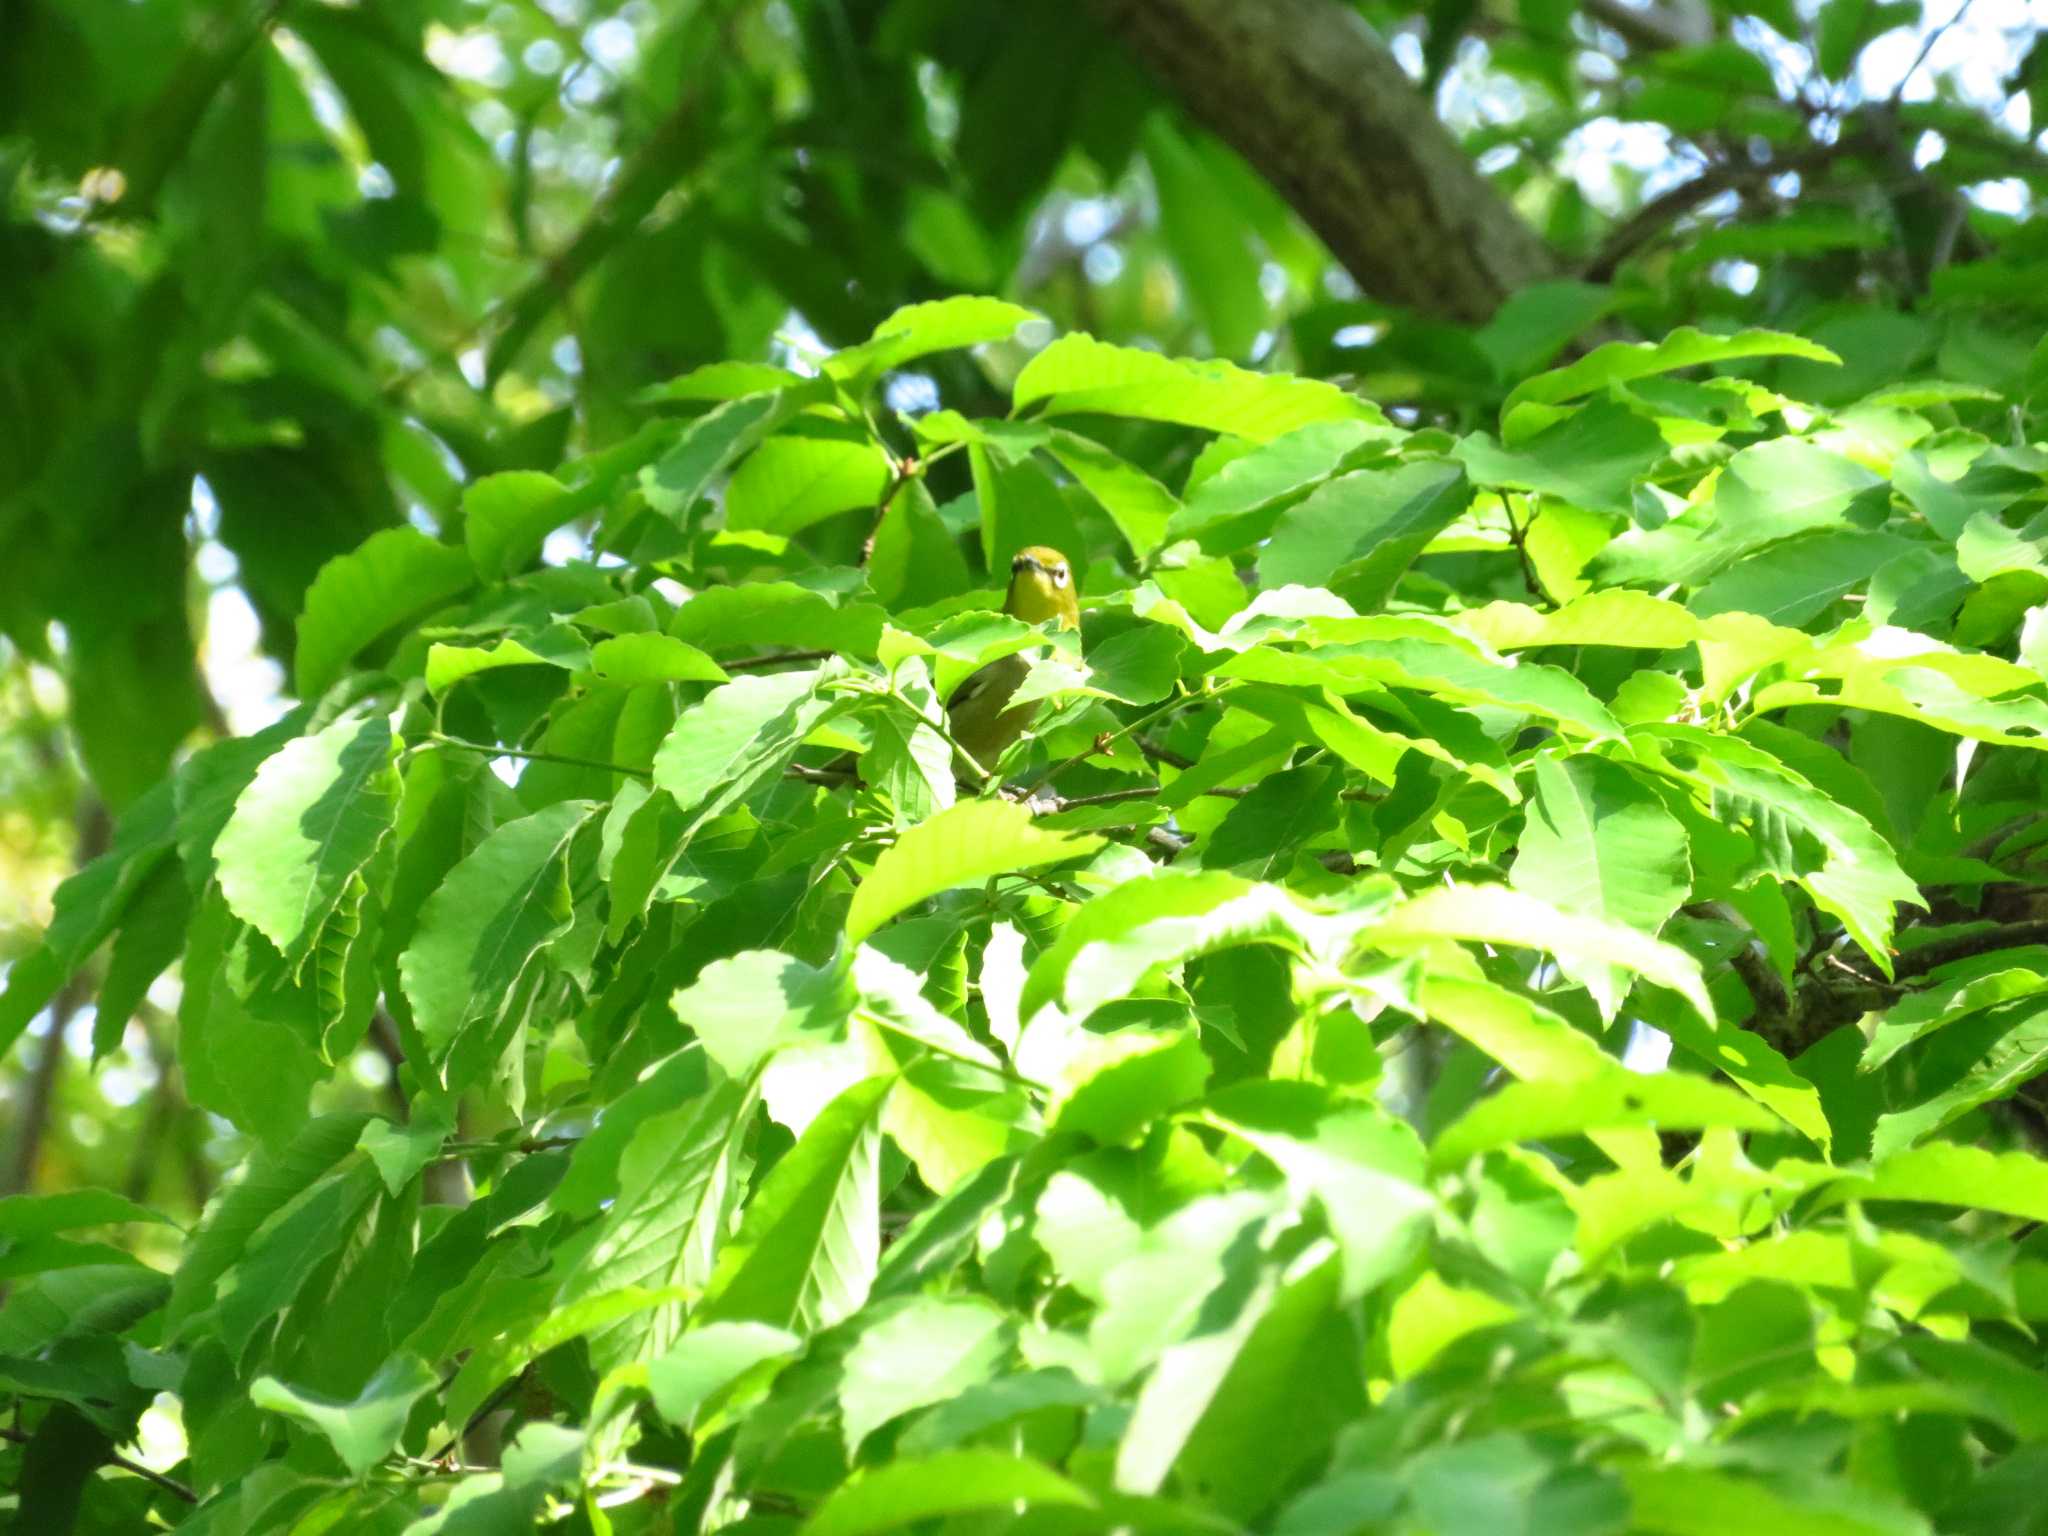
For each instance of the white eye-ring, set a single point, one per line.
(1059, 575)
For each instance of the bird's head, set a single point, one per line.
(1042, 587)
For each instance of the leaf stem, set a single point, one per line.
(749, 663)
(1008, 1074)
(1101, 743)
(1518, 535)
(492, 749)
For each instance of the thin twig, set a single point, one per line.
(1101, 743)
(1926, 48)
(901, 473)
(115, 1458)
(1108, 797)
(1166, 755)
(1666, 209)
(749, 663)
(1518, 535)
(492, 749)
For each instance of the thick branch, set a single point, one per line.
(1306, 93)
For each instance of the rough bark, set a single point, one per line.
(1306, 93)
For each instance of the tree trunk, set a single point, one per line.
(1306, 93)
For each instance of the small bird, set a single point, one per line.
(979, 713)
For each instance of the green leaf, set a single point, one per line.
(1080, 374)
(26, 1216)
(806, 1251)
(720, 381)
(556, 646)
(931, 1350)
(1999, 1050)
(1535, 322)
(1367, 1171)
(918, 330)
(1451, 672)
(1919, 1014)
(1214, 254)
(86, 908)
(642, 658)
(1165, 919)
(962, 1482)
(1793, 583)
(909, 761)
(1139, 666)
(394, 577)
(1261, 834)
(791, 482)
(247, 1047)
(973, 840)
(749, 1006)
(1496, 914)
(1856, 876)
(777, 613)
(1020, 506)
(285, 1255)
(1114, 1086)
(1619, 361)
(1140, 506)
(151, 938)
(915, 560)
(736, 736)
(714, 443)
(1528, 1039)
(1236, 506)
(1844, 26)
(1745, 1055)
(1945, 1173)
(1591, 459)
(1767, 492)
(679, 1178)
(1695, 1501)
(706, 1363)
(1600, 843)
(1616, 617)
(312, 817)
(1358, 533)
(365, 1429)
(506, 517)
(1430, 1316)
(275, 1179)
(1616, 1100)
(1245, 1407)
(487, 922)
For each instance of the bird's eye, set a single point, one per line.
(1059, 575)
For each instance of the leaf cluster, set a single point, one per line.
(1239, 1111)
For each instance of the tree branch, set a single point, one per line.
(1318, 106)
(1918, 962)
(1666, 209)
(169, 1484)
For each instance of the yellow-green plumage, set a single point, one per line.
(979, 714)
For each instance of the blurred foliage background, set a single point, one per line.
(277, 273)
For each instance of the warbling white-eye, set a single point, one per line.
(979, 714)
